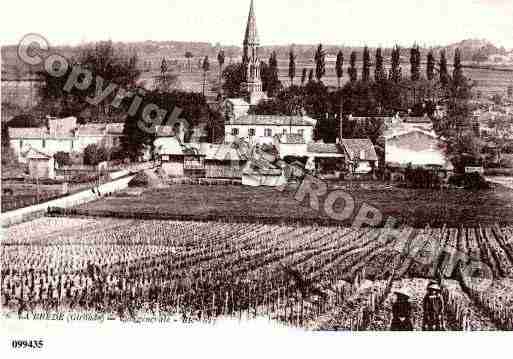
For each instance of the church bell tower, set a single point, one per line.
(251, 61)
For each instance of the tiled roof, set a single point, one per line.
(292, 138)
(273, 120)
(37, 154)
(238, 102)
(29, 132)
(91, 129)
(354, 148)
(115, 128)
(224, 152)
(164, 131)
(316, 147)
(168, 146)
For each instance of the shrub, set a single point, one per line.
(93, 154)
(421, 178)
(63, 158)
(470, 181)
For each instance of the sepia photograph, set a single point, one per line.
(315, 171)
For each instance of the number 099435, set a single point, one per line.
(27, 344)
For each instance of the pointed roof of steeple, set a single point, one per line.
(251, 37)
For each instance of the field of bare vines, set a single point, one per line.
(315, 277)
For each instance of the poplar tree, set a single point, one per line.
(366, 65)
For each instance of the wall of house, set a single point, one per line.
(414, 141)
(297, 150)
(173, 167)
(363, 167)
(70, 144)
(40, 168)
(260, 131)
(223, 169)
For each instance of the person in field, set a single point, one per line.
(433, 308)
(401, 312)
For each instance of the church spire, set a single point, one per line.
(251, 36)
(252, 82)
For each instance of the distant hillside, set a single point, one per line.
(150, 53)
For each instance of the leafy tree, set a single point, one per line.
(292, 66)
(444, 73)
(395, 68)
(430, 68)
(139, 130)
(366, 65)
(351, 71)
(163, 66)
(497, 99)
(113, 67)
(415, 63)
(458, 77)
(303, 76)
(94, 154)
(220, 59)
(189, 55)
(320, 63)
(233, 76)
(269, 74)
(379, 71)
(206, 68)
(339, 67)
(62, 158)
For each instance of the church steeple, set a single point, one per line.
(251, 61)
(251, 37)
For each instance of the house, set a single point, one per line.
(171, 154)
(40, 164)
(203, 160)
(223, 161)
(325, 157)
(291, 145)
(262, 128)
(414, 144)
(360, 155)
(63, 135)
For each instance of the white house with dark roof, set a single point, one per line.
(63, 134)
(263, 128)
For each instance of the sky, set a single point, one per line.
(280, 22)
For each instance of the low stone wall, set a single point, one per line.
(39, 210)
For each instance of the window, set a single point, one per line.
(44, 143)
(284, 131)
(235, 131)
(268, 132)
(301, 132)
(251, 132)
